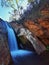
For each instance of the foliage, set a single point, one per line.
(31, 1)
(16, 7)
(11, 2)
(8, 3)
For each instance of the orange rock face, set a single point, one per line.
(41, 27)
(40, 30)
(33, 28)
(46, 13)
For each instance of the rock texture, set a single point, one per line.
(40, 26)
(37, 21)
(5, 57)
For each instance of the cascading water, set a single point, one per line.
(12, 42)
(20, 57)
(13, 47)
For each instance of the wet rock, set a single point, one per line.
(4, 49)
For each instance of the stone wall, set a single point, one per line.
(5, 57)
(40, 30)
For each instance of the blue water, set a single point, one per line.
(13, 47)
(12, 42)
(20, 57)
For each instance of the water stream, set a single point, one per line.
(12, 42)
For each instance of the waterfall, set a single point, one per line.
(12, 42)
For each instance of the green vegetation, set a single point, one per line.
(47, 48)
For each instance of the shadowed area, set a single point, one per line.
(19, 50)
(23, 57)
